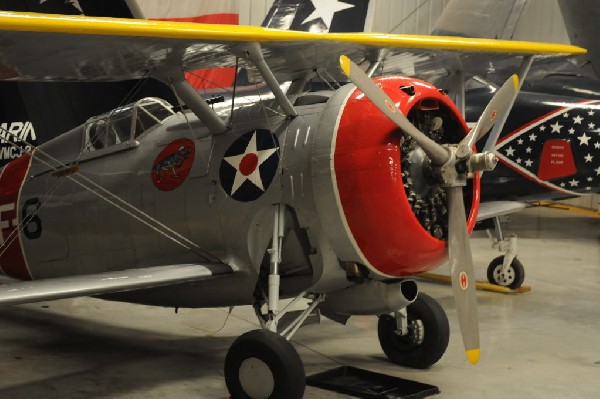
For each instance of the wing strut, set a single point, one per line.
(297, 86)
(196, 103)
(253, 53)
(376, 59)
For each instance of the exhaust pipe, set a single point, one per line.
(371, 298)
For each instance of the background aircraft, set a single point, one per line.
(549, 148)
(302, 196)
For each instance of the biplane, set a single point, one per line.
(310, 193)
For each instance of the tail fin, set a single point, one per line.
(319, 16)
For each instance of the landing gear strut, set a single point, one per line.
(418, 337)
(505, 270)
(263, 363)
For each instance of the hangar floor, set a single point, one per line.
(544, 343)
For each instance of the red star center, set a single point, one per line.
(464, 280)
(248, 164)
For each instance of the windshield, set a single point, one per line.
(126, 123)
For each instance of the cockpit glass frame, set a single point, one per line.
(126, 124)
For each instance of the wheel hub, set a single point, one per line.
(256, 378)
(504, 278)
(417, 331)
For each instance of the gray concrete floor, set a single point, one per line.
(543, 344)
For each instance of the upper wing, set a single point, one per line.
(39, 47)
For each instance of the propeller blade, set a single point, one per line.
(438, 154)
(495, 110)
(461, 270)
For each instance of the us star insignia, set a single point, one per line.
(249, 165)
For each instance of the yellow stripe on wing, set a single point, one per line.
(32, 22)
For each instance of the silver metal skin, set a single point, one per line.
(493, 209)
(123, 280)
(101, 213)
(384, 298)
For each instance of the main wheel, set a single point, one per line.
(512, 278)
(427, 338)
(261, 364)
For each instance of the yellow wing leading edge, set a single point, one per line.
(32, 22)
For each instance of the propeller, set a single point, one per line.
(454, 163)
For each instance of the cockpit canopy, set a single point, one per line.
(126, 123)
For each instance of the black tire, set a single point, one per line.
(250, 359)
(513, 278)
(403, 350)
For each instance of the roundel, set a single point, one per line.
(173, 164)
(249, 165)
(463, 280)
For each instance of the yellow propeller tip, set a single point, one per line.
(473, 355)
(345, 64)
(515, 79)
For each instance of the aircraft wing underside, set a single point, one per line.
(109, 282)
(39, 47)
(493, 209)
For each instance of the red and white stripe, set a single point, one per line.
(221, 11)
(206, 12)
(12, 257)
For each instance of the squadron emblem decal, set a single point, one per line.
(463, 280)
(173, 164)
(249, 165)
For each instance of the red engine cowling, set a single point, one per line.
(372, 221)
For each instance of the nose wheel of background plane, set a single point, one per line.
(261, 364)
(511, 276)
(425, 336)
